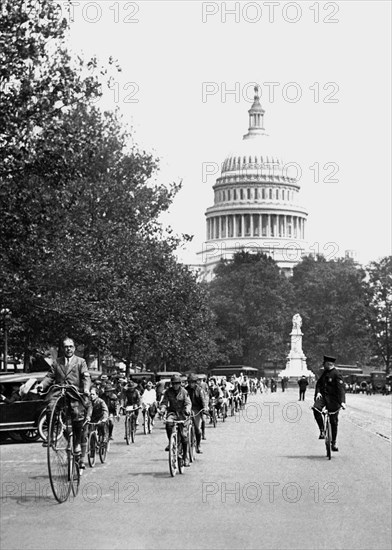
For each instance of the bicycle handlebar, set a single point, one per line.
(67, 387)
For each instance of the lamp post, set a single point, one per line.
(5, 315)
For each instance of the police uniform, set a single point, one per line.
(331, 387)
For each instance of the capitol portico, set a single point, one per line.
(255, 203)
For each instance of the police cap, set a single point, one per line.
(329, 359)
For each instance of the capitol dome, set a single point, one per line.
(255, 202)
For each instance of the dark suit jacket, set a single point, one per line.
(76, 374)
(331, 386)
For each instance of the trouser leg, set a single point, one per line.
(319, 419)
(334, 426)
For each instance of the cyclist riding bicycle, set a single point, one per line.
(149, 400)
(202, 384)
(329, 393)
(177, 404)
(132, 397)
(199, 404)
(97, 413)
(69, 370)
(216, 396)
(109, 395)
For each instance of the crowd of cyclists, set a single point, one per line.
(196, 398)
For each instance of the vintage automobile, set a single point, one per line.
(22, 412)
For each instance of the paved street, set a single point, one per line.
(262, 482)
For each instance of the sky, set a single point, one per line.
(324, 71)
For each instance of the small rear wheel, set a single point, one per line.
(75, 477)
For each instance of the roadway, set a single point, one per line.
(263, 481)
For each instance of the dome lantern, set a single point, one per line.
(256, 117)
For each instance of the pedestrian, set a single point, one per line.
(329, 393)
(70, 370)
(302, 383)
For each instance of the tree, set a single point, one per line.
(379, 308)
(82, 250)
(329, 295)
(250, 298)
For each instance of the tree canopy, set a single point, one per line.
(82, 249)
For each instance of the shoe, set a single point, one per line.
(78, 449)
(186, 463)
(167, 449)
(203, 437)
(82, 465)
(321, 436)
(333, 447)
(199, 451)
(110, 438)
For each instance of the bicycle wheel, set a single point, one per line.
(58, 452)
(232, 408)
(214, 417)
(145, 421)
(149, 426)
(224, 413)
(133, 428)
(128, 429)
(92, 448)
(328, 437)
(191, 443)
(103, 447)
(180, 455)
(75, 477)
(173, 461)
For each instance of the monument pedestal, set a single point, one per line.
(296, 359)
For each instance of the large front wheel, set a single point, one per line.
(58, 452)
(173, 458)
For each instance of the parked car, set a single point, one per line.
(20, 410)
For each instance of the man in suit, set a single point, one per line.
(329, 393)
(302, 383)
(70, 370)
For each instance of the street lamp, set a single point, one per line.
(5, 315)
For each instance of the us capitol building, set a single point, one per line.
(256, 204)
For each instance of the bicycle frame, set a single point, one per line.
(130, 423)
(327, 428)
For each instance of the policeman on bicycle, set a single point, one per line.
(329, 393)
